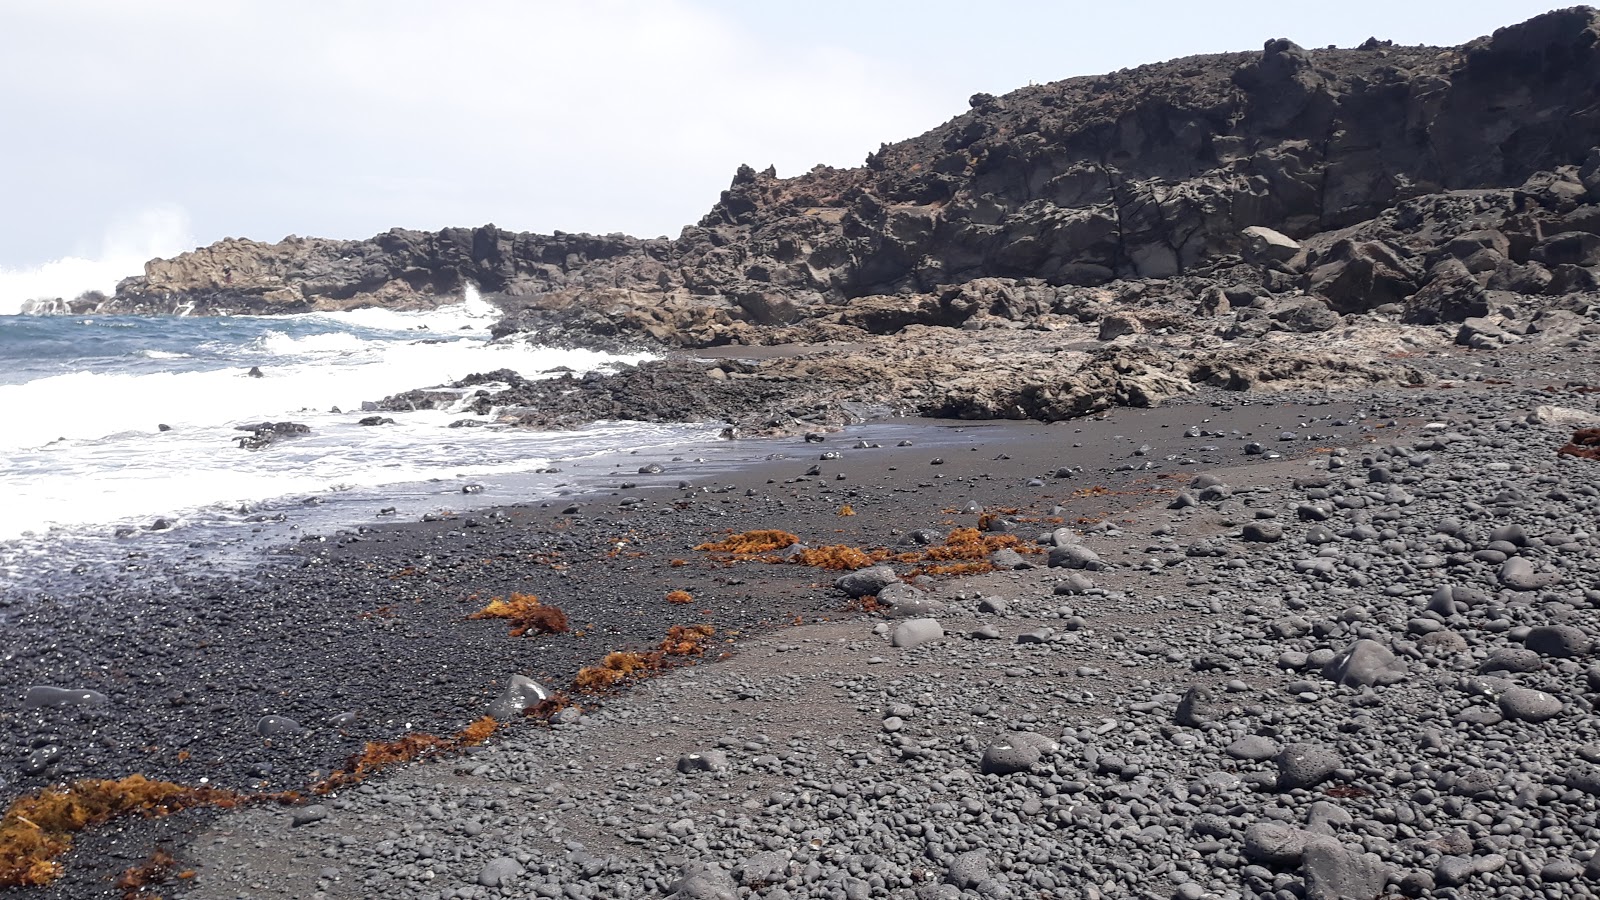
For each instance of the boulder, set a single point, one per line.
(1365, 663)
(866, 582)
(1452, 294)
(1359, 276)
(1569, 248)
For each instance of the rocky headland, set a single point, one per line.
(1289, 591)
(1288, 217)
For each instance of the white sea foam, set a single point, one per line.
(124, 249)
(473, 315)
(83, 448)
(316, 372)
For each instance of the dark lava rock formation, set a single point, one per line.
(1411, 176)
(1286, 218)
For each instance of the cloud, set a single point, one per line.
(344, 119)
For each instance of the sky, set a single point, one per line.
(140, 129)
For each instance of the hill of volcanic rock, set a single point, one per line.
(1415, 176)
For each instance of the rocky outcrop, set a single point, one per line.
(1349, 174)
(1245, 220)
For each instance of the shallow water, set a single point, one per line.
(118, 429)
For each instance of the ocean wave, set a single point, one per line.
(162, 354)
(473, 315)
(301, 375)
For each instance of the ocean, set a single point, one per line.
(119, 440)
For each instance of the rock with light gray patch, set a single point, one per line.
(1519, 574)
(704, 881)
(1528, 705)
(866, 582)
(1334, 871)
(1274, 843)
(1365, 663)
(915, 632)
(500, 871)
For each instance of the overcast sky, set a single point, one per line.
(140, 128)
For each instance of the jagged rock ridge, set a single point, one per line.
(1396, 175)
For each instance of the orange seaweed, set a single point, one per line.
(620, 665)
(379, 755)
(680, 597)
(155, 870)
(526, 614)
(750, 543)
(839, 558)
(39, 827)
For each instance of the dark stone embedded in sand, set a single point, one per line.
(866, 582)
(276, 726)
(58, 697)
(41, 758)
(704, 761)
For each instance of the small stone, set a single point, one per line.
(501, 870)
(306, 815)
(1528, 705)
(704, 761)
(1305, 765)
(915, 632)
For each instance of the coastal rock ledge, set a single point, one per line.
(1367, 203)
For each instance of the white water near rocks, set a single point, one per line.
(83, 457)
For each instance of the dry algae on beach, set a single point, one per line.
(38, 828)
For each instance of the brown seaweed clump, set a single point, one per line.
(679, 597)
(379, 755)
(135, 880)
(752, 543)
(621, 665)
(38, 828)
(526, 614)
(838, 558)
(1585, 444)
